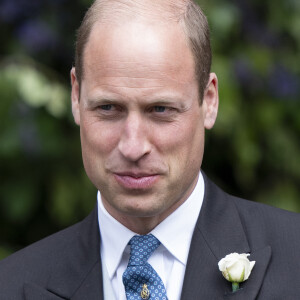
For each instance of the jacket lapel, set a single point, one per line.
(35, 292)
(249, 290)
(78, 273)
(218, 232)
(91, 288)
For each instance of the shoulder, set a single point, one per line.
(46, 247)
(262, 224)
(39, 261)
(266, 214)
(253, 215)
(267, 224)
(34, 263)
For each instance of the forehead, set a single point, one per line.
(140, 45)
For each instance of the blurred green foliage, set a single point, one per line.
(253, 150)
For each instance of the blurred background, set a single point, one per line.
(253, 150)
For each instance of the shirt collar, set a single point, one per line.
(114, 238)
(175, 232)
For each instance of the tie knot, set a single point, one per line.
(141, 248)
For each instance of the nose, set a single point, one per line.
(134, 143)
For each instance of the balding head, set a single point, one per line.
(156, 11)
(184, 13)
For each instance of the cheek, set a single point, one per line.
(97, 145)
(98, 139)
(181, 139)
(184, 150)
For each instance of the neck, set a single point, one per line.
(141, 224)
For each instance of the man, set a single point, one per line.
(143, 94)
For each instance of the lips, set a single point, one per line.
(136, 181)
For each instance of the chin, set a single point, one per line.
(147, 210)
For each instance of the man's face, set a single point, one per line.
(141, 125)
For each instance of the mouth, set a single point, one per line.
(138, 181)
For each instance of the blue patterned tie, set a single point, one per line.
(140, 280)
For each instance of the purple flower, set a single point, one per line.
(248, 78)
(254, 25)
(9, 11)
(283, 83)
(12, 10)
(37, 36)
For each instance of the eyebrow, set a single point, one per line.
(97, 100)
(163, 99)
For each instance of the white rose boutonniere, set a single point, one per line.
(236, 268)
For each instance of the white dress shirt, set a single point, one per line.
(170, 258)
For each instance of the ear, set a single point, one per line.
(211, 101)
(75, 96)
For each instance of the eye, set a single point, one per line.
(163, 113)
(106, 107)
(159, 108)
(109, 111)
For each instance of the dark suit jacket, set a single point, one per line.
(67, 265)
